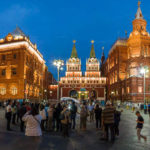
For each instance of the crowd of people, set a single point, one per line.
(61, 117)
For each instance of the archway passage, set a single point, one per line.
(73, 94)
(93, 95)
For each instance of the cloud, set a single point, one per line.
(16, 13)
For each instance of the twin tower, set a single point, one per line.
(73, 64)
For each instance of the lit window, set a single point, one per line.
(13, 71)
(3, 72)
(14, 91)
(2, 91)
(140, 89)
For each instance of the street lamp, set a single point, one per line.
(58, 63)
(143, 71)
(45, 91)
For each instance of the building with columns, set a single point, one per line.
(124, 63)
(82, 86)
(23, 73)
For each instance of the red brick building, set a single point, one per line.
(124, 62)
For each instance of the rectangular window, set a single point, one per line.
(15, 56)
(140, 89)
(13, 71)
(3, 57)
(3, 72)
(128, 90)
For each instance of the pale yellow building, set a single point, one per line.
(22, 68)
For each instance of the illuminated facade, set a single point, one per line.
(125, 60)
(23, 73)
(88, 86)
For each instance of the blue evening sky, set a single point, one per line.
(53, 24)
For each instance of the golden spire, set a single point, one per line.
(139, 3)
(92, 41)
(74, 41)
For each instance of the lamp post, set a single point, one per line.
(58, 63)
(45, 94)
(144, 70)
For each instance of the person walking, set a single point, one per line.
(108, 120)
(83, 117)
(33, 121)
(8, 115)
(149, 109)
(98, 113)
(117, 121)
(140, 122)
(73, 115)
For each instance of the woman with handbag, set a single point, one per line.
(33, 122)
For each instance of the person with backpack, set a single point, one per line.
(140, 122)
(73, 115)
(33, 121)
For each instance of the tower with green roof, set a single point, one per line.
(73, 63)
(92, 64)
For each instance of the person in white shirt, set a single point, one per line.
(33, 123)
(43, 114)
(8, 115)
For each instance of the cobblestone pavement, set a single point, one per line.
(88, 140)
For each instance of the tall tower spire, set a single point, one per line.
(92, 53)
(103, 56)
(74, 51)
(139, 23)
(139, 12)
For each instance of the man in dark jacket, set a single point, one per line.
(57, 113)
(22, 111)
(73, 115)
(98, 113)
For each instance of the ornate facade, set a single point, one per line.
(125, 60)
(75, 84)
(23, 72)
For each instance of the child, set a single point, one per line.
(140, 122)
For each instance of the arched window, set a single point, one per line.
(2, 91)
(14, 91)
